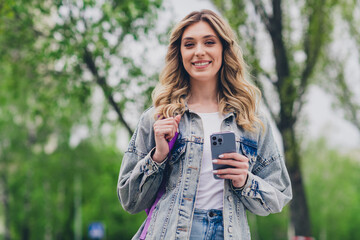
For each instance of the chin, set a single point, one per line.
(202, 78)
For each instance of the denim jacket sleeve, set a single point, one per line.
(268, 187)
(140, 177)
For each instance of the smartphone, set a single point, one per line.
(222, 142)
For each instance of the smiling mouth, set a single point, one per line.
(199, 64)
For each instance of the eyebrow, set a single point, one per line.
(207, 36)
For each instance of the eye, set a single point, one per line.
(210, 42)
(188, 44)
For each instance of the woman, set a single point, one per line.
(202, 90)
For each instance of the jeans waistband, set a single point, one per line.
(209, 214)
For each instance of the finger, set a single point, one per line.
(175, 127)
(178, 118)
(237, 182)
(167, 122)
(231, 171)
(233, 163)
(173, 130)
(161, 131)
(233, 177)
(167, 131)
(235, 156)
(173, 120)
(170, 136)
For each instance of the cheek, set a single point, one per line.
(220, 53)
(186, 61)
(182, 54)
(220, 57)
(184, 57)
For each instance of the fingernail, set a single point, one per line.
(215, 171)
(214, 161)
(221, 156)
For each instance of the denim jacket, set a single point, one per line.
(266, 191)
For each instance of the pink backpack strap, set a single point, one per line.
(161, 191)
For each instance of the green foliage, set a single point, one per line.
(331, 184)
(102, 204)
(332, 188)
(341, 68)
(52, 55)
(43, 193)
(272, 227)
(294, 28)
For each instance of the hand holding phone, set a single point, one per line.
(231, 165)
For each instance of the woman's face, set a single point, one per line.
(201, 52)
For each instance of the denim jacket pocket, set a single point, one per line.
(249, 149)
(178, 150)
(175, 165)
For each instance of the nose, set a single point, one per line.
(199, 51)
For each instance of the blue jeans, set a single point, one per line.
(207, 225)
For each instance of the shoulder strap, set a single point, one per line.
(159, 194)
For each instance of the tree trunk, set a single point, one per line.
(5, 201)
(25, 231)
(299, 212)
(77, 208)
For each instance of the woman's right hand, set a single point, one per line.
(164, 130)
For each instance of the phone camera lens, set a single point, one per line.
(214, 138)
(214, 143)
(220, 140)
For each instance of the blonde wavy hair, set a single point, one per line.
(235, 92)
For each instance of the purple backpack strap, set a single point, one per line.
(159, 194)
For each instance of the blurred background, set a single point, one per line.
(76, 75)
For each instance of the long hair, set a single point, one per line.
(235, 92)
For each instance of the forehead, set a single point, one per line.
(198, 30)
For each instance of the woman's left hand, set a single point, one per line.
(238, 173)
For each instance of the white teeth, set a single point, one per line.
(201, 64)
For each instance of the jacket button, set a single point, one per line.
(229, 198)
(230, 229)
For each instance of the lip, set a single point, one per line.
(201, 64)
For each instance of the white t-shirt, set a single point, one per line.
(210, 190)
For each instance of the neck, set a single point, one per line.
(203, 97)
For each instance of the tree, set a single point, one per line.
(294, 62)
(343, 86)
(53, 57)
(96, 34)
